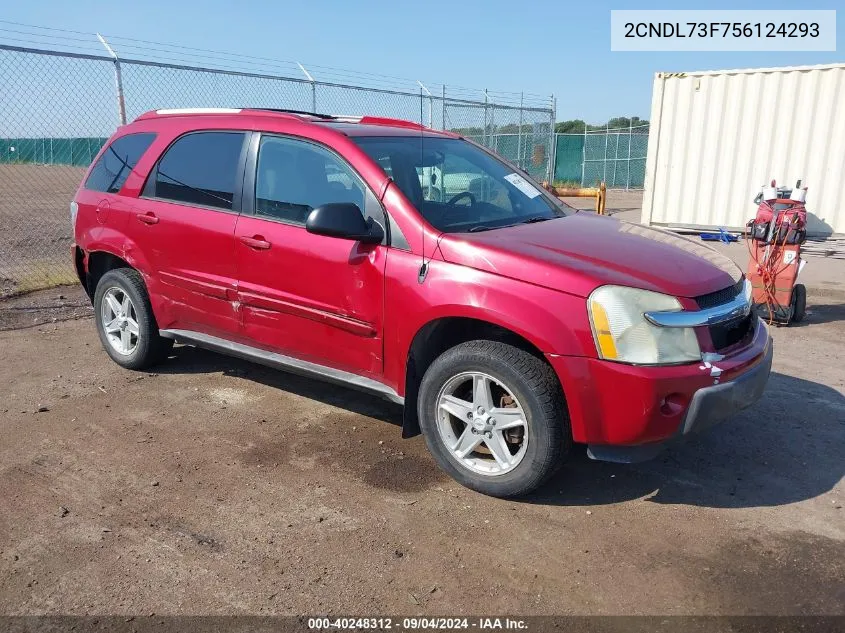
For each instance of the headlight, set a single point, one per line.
(622, 333)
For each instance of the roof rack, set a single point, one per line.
(166, 111)
(341, 118)
(327, 118)
(379, 120)
(177, 111)
(302, 112)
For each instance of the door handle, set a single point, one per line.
(257, 242)
(147, 218)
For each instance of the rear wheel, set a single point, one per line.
(494, 417)
(799, 303)
(125, 321)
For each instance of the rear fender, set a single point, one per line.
(117, 244)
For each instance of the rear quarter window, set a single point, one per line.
(117, 161)
(198, 169)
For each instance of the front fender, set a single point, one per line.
(553, 321)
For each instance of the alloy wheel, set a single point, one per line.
(119, 321)
(481, 423)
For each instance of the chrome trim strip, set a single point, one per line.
(738, 307)
(279, 305)
(280, 361)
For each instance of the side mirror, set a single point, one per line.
(343, 220)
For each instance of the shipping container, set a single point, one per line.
(718, 136)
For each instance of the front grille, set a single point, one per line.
(720, 296)
(730, 333)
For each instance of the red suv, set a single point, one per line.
(419, 266)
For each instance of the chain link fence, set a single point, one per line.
(524, 136)
(57, 109)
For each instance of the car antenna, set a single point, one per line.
(424, 266)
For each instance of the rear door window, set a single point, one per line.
(199, 169)
(115, 164)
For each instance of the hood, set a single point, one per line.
(582, 251)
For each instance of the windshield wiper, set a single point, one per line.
(531, 220)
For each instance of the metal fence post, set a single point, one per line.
(313, 87)
(584, 156)
(519, 161)
(444, 106)
(494, 141)
(118, 81)
(430, 102)
(484, 132)
(430, 110)
(606, 135)
(550, 169)
(615, 161)
(630, 133)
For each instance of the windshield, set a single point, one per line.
(457, 186)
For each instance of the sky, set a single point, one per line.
(541, 47)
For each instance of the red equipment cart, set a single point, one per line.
(774, 238)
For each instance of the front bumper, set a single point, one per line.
(626, 412)
(711, 405)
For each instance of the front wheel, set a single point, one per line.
(494, 417)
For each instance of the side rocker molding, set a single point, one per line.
(287, 363)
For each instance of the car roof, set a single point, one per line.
(347, 125)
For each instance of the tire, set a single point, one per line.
(535, 397)
(145, 347)
(799, 303)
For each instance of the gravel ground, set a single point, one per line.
(213, 486)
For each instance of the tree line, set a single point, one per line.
(573, 126)
(577, 126)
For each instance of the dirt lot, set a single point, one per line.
(213, 486)
(35, 233)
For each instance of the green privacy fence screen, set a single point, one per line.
(520, 151)
(568, 156)
(50, 151)
(615, 156)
